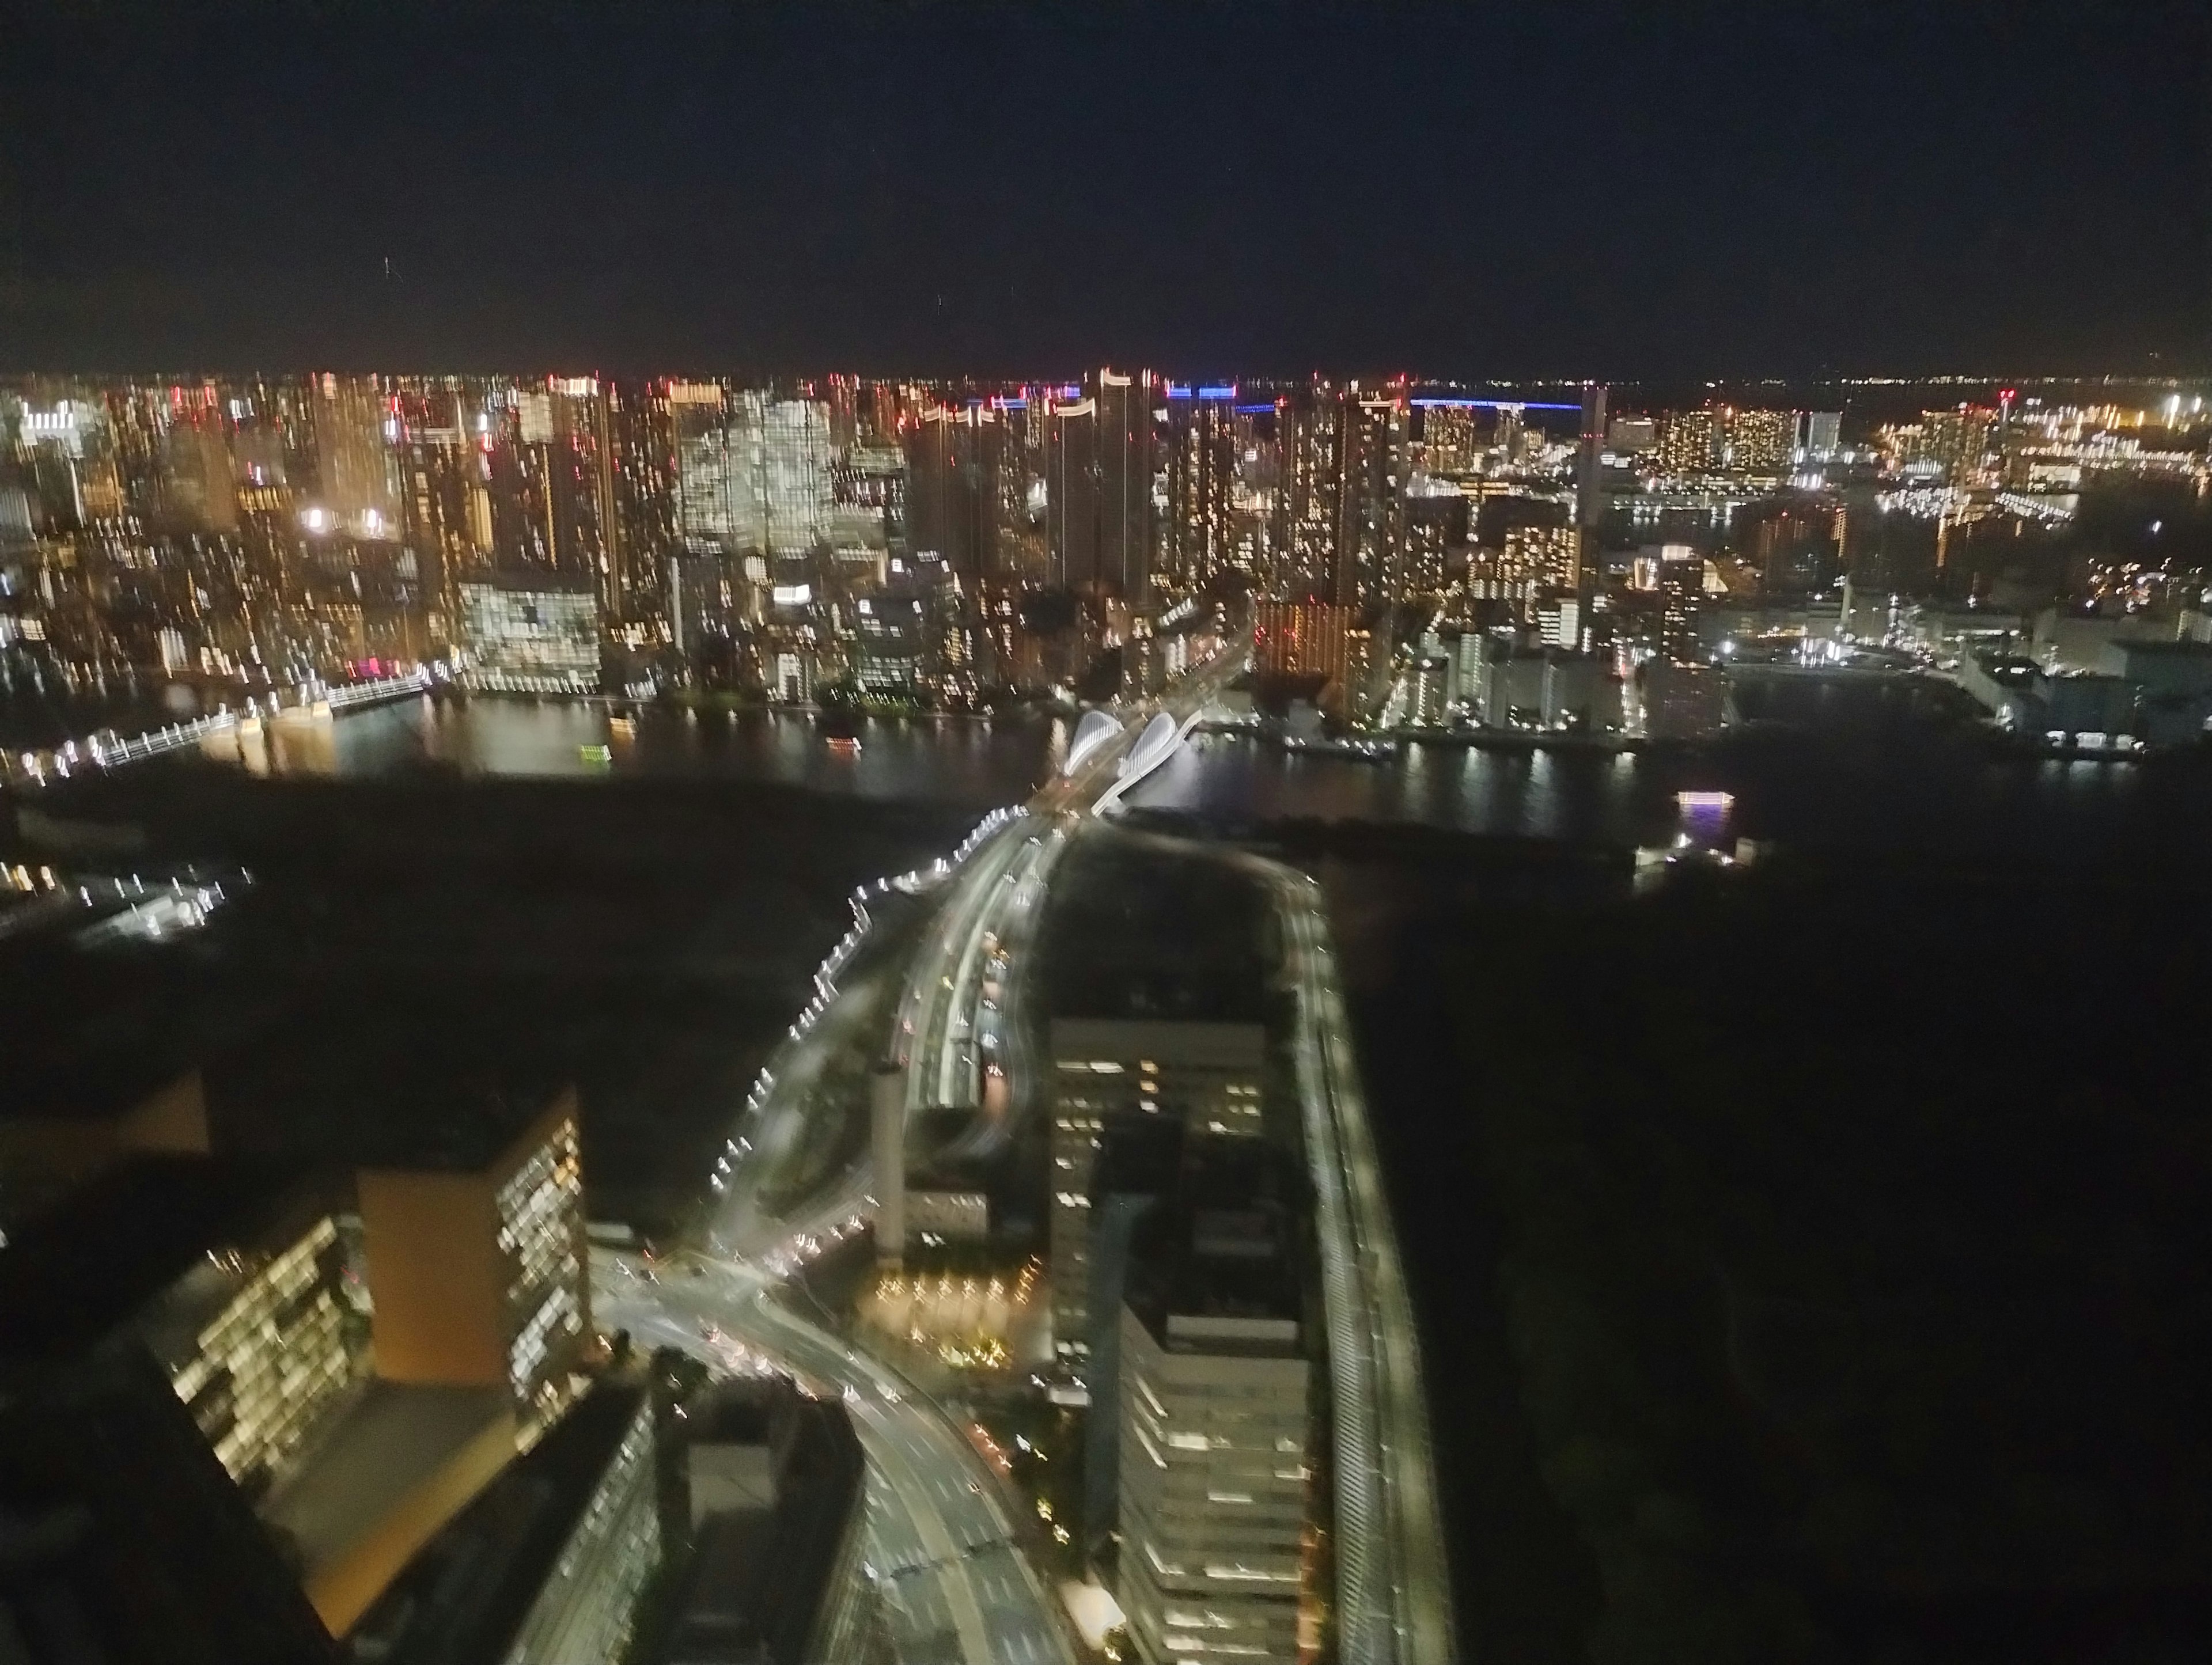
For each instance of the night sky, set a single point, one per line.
(1487, 191)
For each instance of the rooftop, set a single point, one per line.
(462, 1599)
(1213, 1268)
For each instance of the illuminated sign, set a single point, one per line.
(792, 595)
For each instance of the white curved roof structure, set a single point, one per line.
(1162, 736)
(1096, 729)
(1153, 747)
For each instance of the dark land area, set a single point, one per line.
(1813, 1260)
(407, 946)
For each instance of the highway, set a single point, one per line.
(941, 1550)
(1393, 1583)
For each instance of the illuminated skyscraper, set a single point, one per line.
(1207, 1075)
(1342, 507)
(955, 500)
(1760, 440)
(1589, 493)
(706, 517)
(1688, 441)
(1072, 493)
(641, 462)
(1371, 537)
(1309, 492)
(355, 459)
(1201, 479)
(1125, 449)
(1212, 1402)
(1819, 434)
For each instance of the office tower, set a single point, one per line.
(778, 474)
(1201, 442)
(579, 470)
(1213, 1408)
(129, 1543)
(1206, 1075)
(1589, 492)
(479, 1266)
(446, 518)
(1760, 441)
(1074, 504)
(955, 492)
(354, 463)
(1688, 441)
(1125, 446)
(1820, 435)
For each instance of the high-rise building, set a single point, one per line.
(129, 1542)
(1447, 441)
(1306, 638)
(1212, 1391)
(1688, 441)
(1201, 442)
(1126, 467)
(1548, 557)
(1820, 435)
(706, 515)
(954, 495)
(1759, 441)
(199, 491)
(1628, 436)
(1370, 538)
(1206, 1074)
(1309, 492)
(356, 481)
(1682, 596)
(1958, 441)
(1340, 505)
(479, 1266)
(1589, 492)
(1073, 500)
(642, 533)
(524, 633)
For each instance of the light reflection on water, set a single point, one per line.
(1897, 790)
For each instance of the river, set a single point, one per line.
(1846, 767)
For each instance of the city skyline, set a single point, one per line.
(1266, 832)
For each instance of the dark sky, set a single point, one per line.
(1536, 188)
